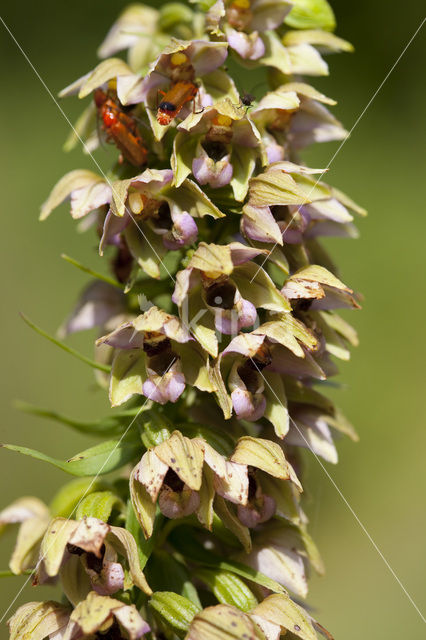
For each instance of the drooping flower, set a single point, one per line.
(284, 553)
(250, 370)
(88, 548)
(146, 212)
(38, 620)
(218, 146)
(188, 64)
(33, 517)
(293, 116)
(100, 305)
(243, 23)
(174, 471)
(286, 205)
(144, 32)
(221, 288)
(104, 614)
(155, 357)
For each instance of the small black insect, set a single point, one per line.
(247, 99)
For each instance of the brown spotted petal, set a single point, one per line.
(281, 612)
(97, 613)
(317, 283)
(38, 620)
(90, 535)
(265, 455)
(33, 516)
(171, 473)
(223, 622)
(150, 472)
(230, 478)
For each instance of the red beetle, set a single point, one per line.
(121, 128)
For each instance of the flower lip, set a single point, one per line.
(221, 294)
(215, 149)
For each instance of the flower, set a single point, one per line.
(284, 552)
(33, 516)
(188, 62)
(243, 22)
(100, 305)
(173, 473)
(39, 620)
(156, 357)
(101, 613)
(250, 369)
(146, 213)
(88, 547)
(219, 146)
(292, 117)
(287, 205)
(145, 31)
(221, 289)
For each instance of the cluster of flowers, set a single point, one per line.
(221, 314)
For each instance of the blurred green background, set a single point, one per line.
(382, 166)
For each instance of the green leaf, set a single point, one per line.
(110, 425)
(175, 610)
(67, 498)
(65, 347)
(95, 274)
(98, 504)
(98, 460)
(311, 14)
(228, 588)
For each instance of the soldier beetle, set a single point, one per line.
(174, 100)
(120, 127)
(183, 88)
